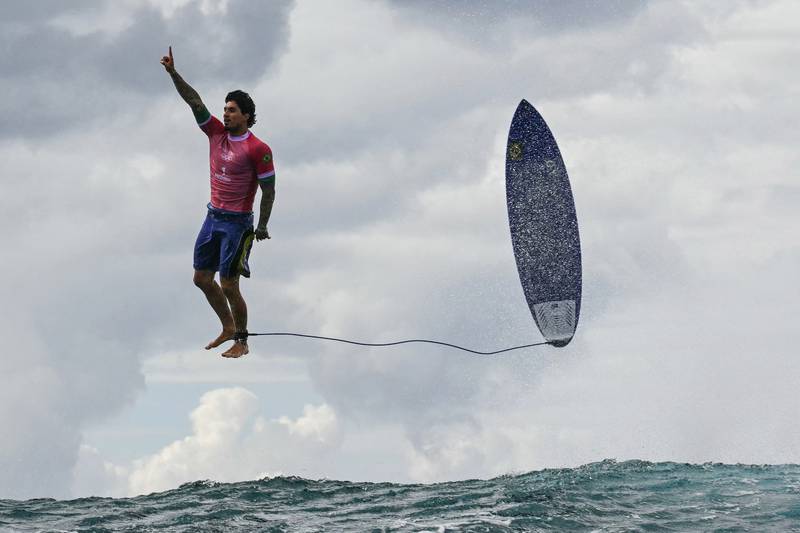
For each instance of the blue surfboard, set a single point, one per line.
(544, 226)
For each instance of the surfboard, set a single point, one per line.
(544, 226)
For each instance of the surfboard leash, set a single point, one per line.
(381, 344)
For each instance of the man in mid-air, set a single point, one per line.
(240, 164)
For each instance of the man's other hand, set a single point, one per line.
(261, 234)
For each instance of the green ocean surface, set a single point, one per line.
(607, 496)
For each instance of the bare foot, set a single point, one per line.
(225, 336)
(237, 350)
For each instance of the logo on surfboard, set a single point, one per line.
(515, 151)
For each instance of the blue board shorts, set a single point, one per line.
(224, 242)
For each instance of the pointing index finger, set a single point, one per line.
(170, 53)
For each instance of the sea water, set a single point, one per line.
(605, 496)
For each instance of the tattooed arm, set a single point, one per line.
(186, 91)
(267, 199)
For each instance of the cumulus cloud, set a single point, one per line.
(317, 423)
(230, 441)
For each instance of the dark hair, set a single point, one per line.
(245, 103)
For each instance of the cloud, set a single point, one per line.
(187, 367)
(51, 388)
(402, 96)
(91, 203)
(647, 128)
(231, 441)
(94, 475)
(72, 66)
(388, 130)
(541, 16)
(317, 423)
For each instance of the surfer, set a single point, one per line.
(240, 163)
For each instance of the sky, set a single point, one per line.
(677, 121)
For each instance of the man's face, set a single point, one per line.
(232, 117)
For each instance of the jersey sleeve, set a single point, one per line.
(265, 168)
(210, 125)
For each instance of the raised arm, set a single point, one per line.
(186, 91)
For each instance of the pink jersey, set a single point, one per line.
(237, 165)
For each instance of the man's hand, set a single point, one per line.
(188, 94)
(261, 234)
(168, 62)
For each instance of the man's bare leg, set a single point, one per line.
(205, 280)
(230, 288)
